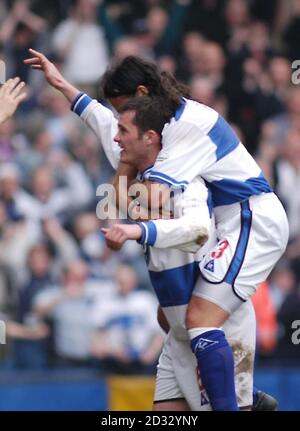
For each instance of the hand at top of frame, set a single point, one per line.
(11, 95)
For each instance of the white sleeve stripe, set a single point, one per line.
(168, 178)
(146, 233)
(75, 100)
(174, 185)
(82, 103)
(78, 101)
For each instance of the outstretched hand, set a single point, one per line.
(11, 95)
(39, 61)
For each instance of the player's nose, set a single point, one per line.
(117, 138)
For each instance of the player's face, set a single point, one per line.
(130, 140)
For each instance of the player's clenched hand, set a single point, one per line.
(119, 233)
(11, 95)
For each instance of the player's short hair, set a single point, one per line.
(149, 113)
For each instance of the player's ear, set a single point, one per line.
(151, 137)
(141, 90)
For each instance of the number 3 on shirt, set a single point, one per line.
(220, 249)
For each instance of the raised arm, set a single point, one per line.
(98, 118)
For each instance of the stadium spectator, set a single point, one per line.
(282, 283)
(288, 178)
(128, 338)
(266, 319)
(20, 30)
(50, 200)
(70, 306)
(80, 45)
(33, 354)
(8, 141)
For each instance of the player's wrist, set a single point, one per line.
(134, 232)
(5, 115)
(68, 90)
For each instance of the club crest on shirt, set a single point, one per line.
(210, 266)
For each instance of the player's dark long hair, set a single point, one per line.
(124, 77)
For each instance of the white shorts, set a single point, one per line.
(177, 374)
(252, 236)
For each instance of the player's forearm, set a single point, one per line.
(174, 233)
(67, 89)
(191, 225)
(101, 121)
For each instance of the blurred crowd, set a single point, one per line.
(65, 297)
